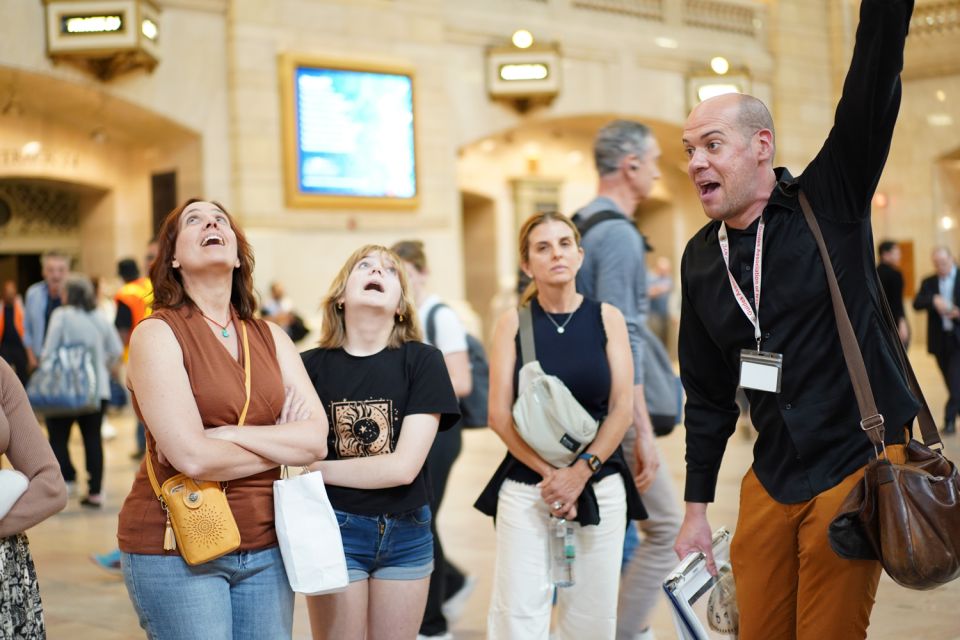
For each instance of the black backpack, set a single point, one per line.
(662, 390)
(473, 408)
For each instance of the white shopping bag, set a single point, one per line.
(309, 535)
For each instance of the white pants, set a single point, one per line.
(520, 606)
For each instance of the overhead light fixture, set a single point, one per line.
(525, 71)
(940, 120)
(92, 24)
(523, 77)
(104, 37)
(704, 83)
(666, 43)
(31, 149)
(522, 39)
(941, 96)
(720, 65)
(149, 29)
(947, 223)
(707, 91)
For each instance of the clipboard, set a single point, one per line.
(689, 588)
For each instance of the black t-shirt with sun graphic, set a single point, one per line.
(366, 399)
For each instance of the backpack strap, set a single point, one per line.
(430, 324)
(585, 225)
(528, 350)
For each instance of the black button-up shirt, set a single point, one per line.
(809, 433)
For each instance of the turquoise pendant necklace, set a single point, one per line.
(223, 327)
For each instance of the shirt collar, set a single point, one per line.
(784, 194)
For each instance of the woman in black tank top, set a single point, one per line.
(585, 344)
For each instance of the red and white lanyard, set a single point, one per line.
(757, 268)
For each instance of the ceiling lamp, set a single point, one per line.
(105, 37)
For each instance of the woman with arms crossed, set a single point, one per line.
(186, 374)
(386, 394)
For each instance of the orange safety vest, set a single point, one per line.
(138, 296)
(17, 317)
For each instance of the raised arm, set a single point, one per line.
(299, 439)
(855, 152)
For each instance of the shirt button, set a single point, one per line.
(788, 406)
(766, 335)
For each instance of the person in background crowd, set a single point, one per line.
(134, 303)
(659, 288)
(585, 344)
(77, 322)
(939, 296)
(41, 299)
(449, 587)
(626, 154)
(386, 393)
(22, 443)
(186, 374)
(810, 450)
(279, 309)
(12, 348)
(891, 279)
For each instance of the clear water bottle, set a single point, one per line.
(563, 552)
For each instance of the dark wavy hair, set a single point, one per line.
(168, 291)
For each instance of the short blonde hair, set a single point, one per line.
(406, 326)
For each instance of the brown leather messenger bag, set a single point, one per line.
(907, 516)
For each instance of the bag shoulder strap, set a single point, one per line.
(243, 414)
(584, 225)
(871, 421)
(528, 349)
(430, 324)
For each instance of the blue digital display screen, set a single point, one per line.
(354, 133)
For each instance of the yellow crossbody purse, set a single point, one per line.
(199, 520)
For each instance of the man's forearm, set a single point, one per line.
(641, 417)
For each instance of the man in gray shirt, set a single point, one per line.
(614, 271)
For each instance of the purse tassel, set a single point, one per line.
(169, 540)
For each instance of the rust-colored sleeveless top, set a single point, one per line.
(217, 381)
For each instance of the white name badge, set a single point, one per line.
(760, 370)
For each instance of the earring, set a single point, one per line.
(339, 306)
(401, 318)
(237, 266)
(175, 264)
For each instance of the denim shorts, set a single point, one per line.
(390, 546)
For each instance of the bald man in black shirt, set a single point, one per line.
(752, 279)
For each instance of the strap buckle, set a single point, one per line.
(872, 422)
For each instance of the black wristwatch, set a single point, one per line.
(592, 461)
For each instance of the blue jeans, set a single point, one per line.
(391, 546)
(244, 594)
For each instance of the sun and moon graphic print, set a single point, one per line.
(363, 428)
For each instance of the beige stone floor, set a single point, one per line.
(84, 603)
